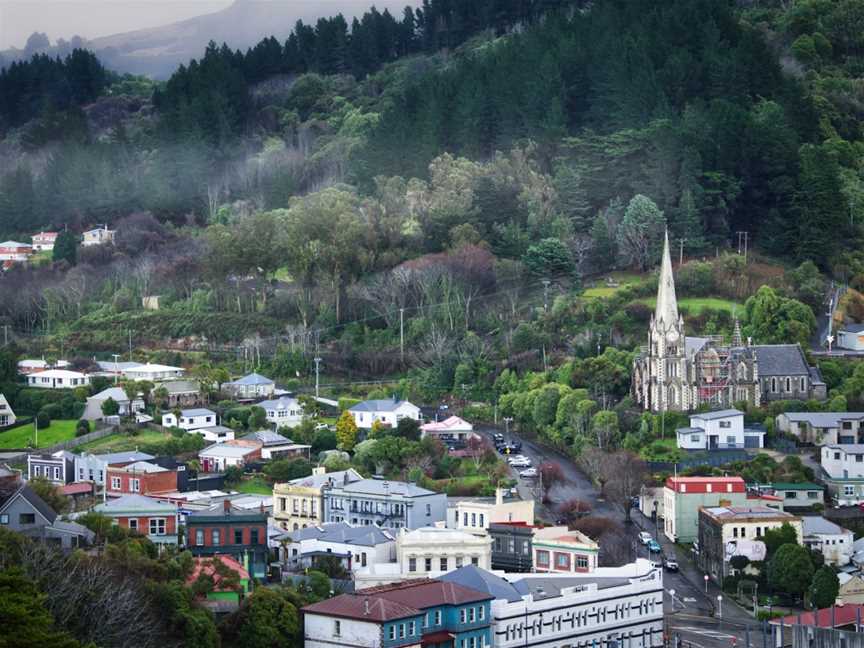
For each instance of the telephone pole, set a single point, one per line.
(317, 372)
(130, 345)
(402, 335)
(743, 236)
(546, 283)
(681, 251)
(116, 368)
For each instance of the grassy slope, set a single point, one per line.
(254, 486)
(695, 305)
(122, 443)
(21, 437)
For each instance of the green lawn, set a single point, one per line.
(122, 442)
(23, 437)
(254, 486)
(662, 450)
(600, 289)
(695, 305)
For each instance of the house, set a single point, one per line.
(684, 496)
(453, 430)
(428, 552)
(127, 406)
(90, 467)
(613, 606)
(511, 546)
(190, 419)
(153, 372)
(726, 531)
(851, 337)
(475, 514)
(98, 236)
(800, 495)
(250, 387)
(44, 241)
(22, 510)
(7, 416)
(361, 622)
(300, 502)
(841, 617)
(831, 540)
(388, 411)
(720, 430)
(58, 379)
(843, 466)
(215, 433)
(283, 412)
(114, 369)
(228, 582)
(81, 494)
(13, 251)
(219, 456)
(391, 504)
(276, 446)
(140, 477)
(222, 529)
(156, 519)
(355, 547)
(823, 428)
(58, 467)
(557, 549)
(851, 588)
(181, 393)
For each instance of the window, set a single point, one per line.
(437, 617)
(412, 564)
(774, 385)
(157, 527)
(788, 384)
(401, 630)
(37, 471)
(115, 483)
(26, 518)
(56, 472)
(802, 385)
(392, 632)
(543, 558)
(411, 628)
(428, 509)
(694, 438)
(253, 536)
(294, 507)
(238, 536)
(4, 519)
(133, 524)
(428, 564)
(337, 628)
(562, 560)
(730, 440)
(481, 612)
(458, 562)
(464, 519)
(217, 537)
(473, 519)
(472, 614)
(199, 537)
(462, 616)
(725, 424)
(848, 490)
(443, 564)
(135, 485)
(481, 521)
(581, 562)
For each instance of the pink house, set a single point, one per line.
(450, 430)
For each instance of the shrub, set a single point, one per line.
(43, 420)
(82, 428)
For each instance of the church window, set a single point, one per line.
(803, 385)
(788, 384)
(773, 385)
(742, 371)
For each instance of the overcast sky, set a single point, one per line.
(92, 18)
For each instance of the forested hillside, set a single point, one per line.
(444, 162)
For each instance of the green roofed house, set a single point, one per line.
(795, 495)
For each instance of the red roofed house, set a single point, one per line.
(13, 251)
(221, 581)
(44, 241)
(140, 478)
(840, 617)
(450, 430)
(684, 496)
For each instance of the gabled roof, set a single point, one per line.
(823, 419)
(142, 467)
(282, 401)
(381, 405)
(267, 437)
(117, 393)
(316, 481)
(427, 593)
(483, 581)
(197, 411)
(717, 414)
(204, 565)
(58, 373)
(151, 368)
(137, 503)
(450, 423)
(383, 487)
(252, 379)
(28, 494)
(781, 360)
(344, 533)
(179, 386)
(818, 525)
(364, 608)
(123, 457)
(110, 365)
(226, 450)
(852, 328)
(14, 244)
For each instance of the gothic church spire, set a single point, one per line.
(667, 305)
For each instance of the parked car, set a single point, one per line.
(645, 537)
(528, 473)
(516, 444)
(654, 546)
(499, 438)
(520, 462)
(670, 564)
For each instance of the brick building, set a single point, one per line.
(225, 530)
(150, 517)
(140, 478)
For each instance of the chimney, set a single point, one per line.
(319, 470)
(366, 606)
(499, 496)
(226, 507)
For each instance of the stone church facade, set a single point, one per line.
(675, 372)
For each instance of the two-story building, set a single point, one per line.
(361, 622)
(284, 411)
(57, 467)
(432, 551)
(720, 430)
(141, 478)
(795, 495)
(158, 520)
(58, 379)
(23, 511)
(250, 387)
(190, 419)
(389, 411)
(727, 531)
(356, 547)
(823, 428)
(224, 530)
(7, 416)
(90, 467)
(44, 241)
(153, 372)
(560, 550)
(843, 468)
(613, 606)
(511, 546)
(15, 252)
(300, 502)
(99, 235)
(831, 540)
(474, 514)
(391, 504)
(127, 406)
(684, 496)
(180, 393)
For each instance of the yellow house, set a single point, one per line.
(299, 504)
(851, 589)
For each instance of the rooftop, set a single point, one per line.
(142, 467)
(197, 411)
(151, 368)
(35, 501)
(450, 423)
(423, 594)
(129, 456)
(833, 617)
(853, 328)
(138, 503)
(383, 487)
(380, 405)
(818, 525)
(342, 532)
(252, 379)
(267, 437)
(823, 419)
(483, 581)
(226, 450)
(717, 414)
(368, 608)
(179, 386)
(117, 393)
(781, 360)
(282, 401)
(849, 448)
(205, 566)
(800, 486)
(316, 481)
(727, 513)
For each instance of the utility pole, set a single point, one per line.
(681, 251)
(5, 335)
(546, 283)
(743, 236)
(116, 368)
(317, 370)
(402, 335)
(130, 345)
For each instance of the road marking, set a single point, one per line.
(711, 634)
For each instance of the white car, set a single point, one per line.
(523, 462)
(519, 457)
(645, 537)
(529, 472)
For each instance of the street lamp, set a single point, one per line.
(719, 607)
(672, 596)
(706, 583)
(507, 420)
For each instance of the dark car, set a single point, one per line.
(516, 444)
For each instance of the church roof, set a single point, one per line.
(666, 310)
(781, 360)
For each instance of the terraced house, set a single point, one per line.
(386, 503)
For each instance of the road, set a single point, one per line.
(823, 319)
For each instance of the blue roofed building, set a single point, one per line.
(383, 503)
(250, 387)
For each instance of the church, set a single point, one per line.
(680, 373)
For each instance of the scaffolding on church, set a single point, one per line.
(713, 363)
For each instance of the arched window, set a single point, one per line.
(788, 384)
(774, 385)
(672, 396)
(803, 384)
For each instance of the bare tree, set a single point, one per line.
(593, 462)
(626, 474)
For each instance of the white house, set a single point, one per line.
(823, 428)
(250, 387)
(361, 622)
(7, 416)
(127, 406)
(388, 411)
(718, 430)
(851, 337)
(153, 372)
(450, 429)
(215, 433)
(355, 546)
(220, 456)
(44, 241)
(474, 514)
(35, 365)
(284, 411)
(614, 606)
(831, 540)
(58, 379)
(97, 236)
(843, 466)
(190, 419)
(90, 467)
(276, 446)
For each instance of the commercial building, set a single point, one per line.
(300, 502)
(684, 496)
(391, 504)
(560, 550)
(511, 546)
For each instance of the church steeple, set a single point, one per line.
(666, 312)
